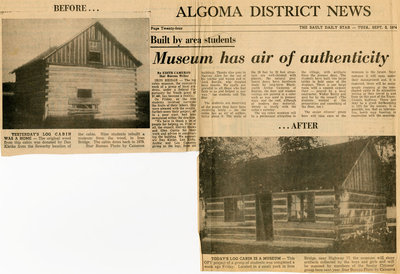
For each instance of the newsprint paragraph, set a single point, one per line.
(292, 106)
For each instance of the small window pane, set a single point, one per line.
(94, 51)
(94, 57)
(295, 207)
(84, 93)
(94, 46)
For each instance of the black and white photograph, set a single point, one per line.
(75, 73)
(297, 195)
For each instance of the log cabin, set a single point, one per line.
(311, 196)
(90, 75)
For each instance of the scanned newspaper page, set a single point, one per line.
(293, 107)
(298, 125)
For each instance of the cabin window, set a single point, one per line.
(301, 207)
(83, 103)
(94, 51)
(234, 209)
(84, 93)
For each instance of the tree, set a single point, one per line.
(219, 155)
(295, 143)
(386, 149)
(292, 143)
(210, 153)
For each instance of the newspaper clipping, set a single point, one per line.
(297, 117)
(293, 107)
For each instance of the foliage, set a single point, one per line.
(386, 148)
(293, 143)
(143, 106)
(380, 240)
(220, 154)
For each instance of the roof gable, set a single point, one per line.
(364, 175)
(75, 51)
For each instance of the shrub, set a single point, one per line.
(380, 240)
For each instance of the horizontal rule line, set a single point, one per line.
(176, 47)
(328, 30)
(255, 25)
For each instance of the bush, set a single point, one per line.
(382, 240)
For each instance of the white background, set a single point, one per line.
(99, 213)
(126, 213)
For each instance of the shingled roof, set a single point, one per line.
(320, 168)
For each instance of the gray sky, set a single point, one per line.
(24, 39)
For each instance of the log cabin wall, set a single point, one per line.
(360, 212)
(114, 89)
(30, 89)
(217, 225)
(362, 207)
(320, 231)
(280, 207)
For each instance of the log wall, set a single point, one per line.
(217, 228)
(115, 88)
(320, 231)
(360, 212)
(335, 216)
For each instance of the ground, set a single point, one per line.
(235, 248)
(76, 122)
(379, 241)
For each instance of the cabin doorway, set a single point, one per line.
(264, 227)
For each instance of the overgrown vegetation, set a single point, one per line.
(219, 154)
(381, 240)
(292, 143)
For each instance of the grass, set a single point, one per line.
(378, 241)
(82, 122)
(234, 248)
(71, 122)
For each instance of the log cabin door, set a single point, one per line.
(264, 227)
